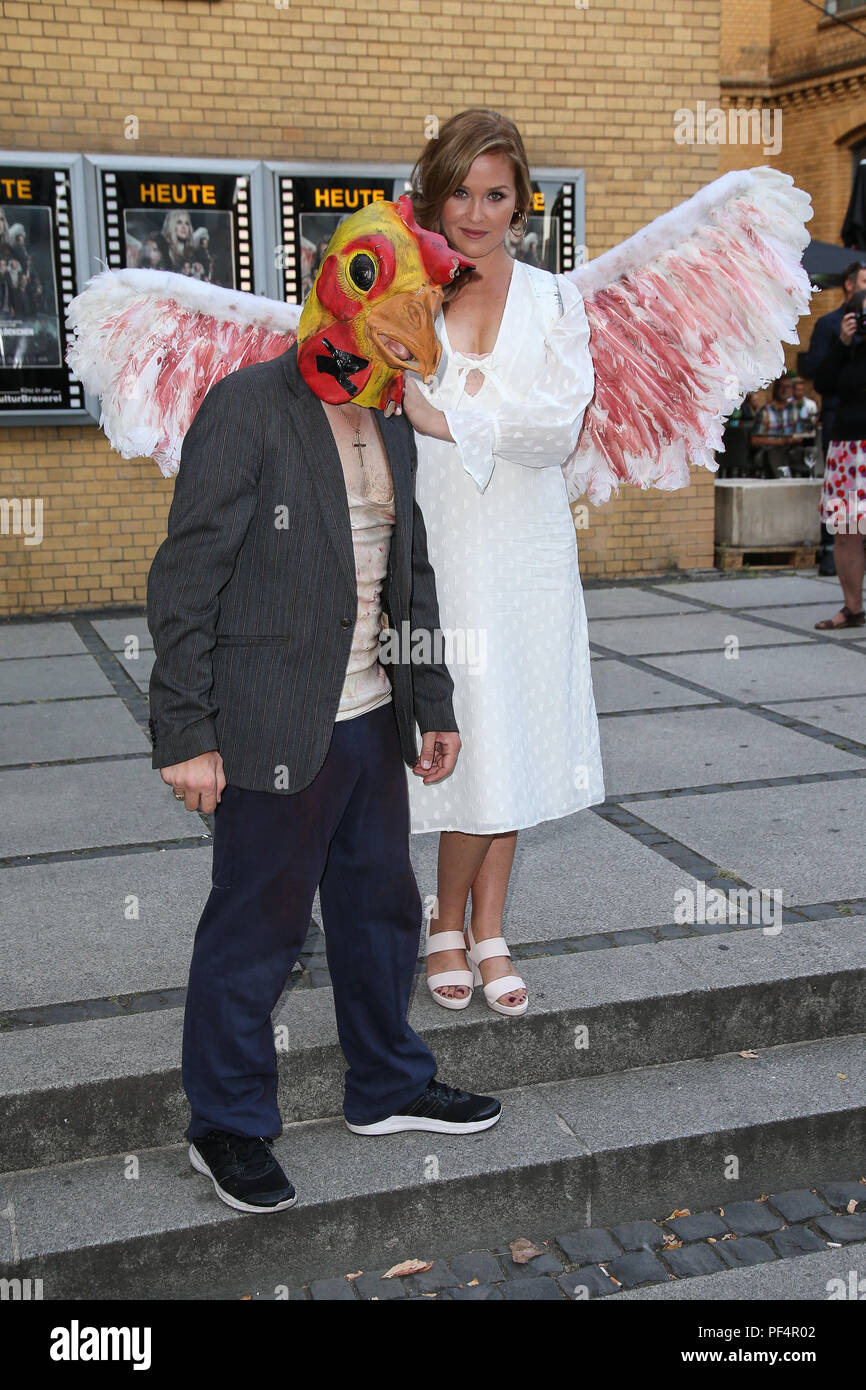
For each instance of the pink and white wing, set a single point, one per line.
(151, 343)
(686, 317)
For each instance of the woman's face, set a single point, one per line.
(475, 219)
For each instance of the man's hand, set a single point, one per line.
(200, 779)
(422, 416)
(438, 756)
(848, 329)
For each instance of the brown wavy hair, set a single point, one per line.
(446, 161)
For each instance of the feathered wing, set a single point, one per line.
(685, 317)
(151, 343)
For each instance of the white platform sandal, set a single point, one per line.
(484, 950)
(448, 941)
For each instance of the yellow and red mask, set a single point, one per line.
(381, 277)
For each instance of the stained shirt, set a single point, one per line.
(367, 685)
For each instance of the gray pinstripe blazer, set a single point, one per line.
(252, 596)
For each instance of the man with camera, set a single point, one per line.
(825, 332)
(842, 376)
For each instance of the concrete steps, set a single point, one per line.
(566, 1154)
(640, 1114)
(74, 1091)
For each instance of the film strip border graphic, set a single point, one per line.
(66, 266)
(112, 220)
(245, 259)
(567, 247)
(287, 254)
(114, 244)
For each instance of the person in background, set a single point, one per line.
(777, 427)
(825, 332)
(745, 415)
(805, 409)
(842, 375)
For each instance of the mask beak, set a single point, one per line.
(408, 318)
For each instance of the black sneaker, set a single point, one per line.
(441, 1108)
(243, 1170)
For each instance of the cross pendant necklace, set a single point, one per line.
(357, 442)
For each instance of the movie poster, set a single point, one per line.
(311, 206)
(549, 240)
(187, 221)
(37, 282)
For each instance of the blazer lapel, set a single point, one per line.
(326, 470)
(393, 431)
(323, 462)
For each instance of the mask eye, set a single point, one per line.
(362, 271)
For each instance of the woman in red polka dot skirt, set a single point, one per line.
(843, 495)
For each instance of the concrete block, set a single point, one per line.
(761, 512)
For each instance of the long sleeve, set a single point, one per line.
(542, 429)
(432, 684)
(213, 504)
(835, 357)
(826, 330)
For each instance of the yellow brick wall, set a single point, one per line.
(745, 40)
(816, 75)
(592, 88)
(648, 532)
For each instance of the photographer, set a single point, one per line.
(842, 374)
(824, 334)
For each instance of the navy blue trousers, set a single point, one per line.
(347, 833)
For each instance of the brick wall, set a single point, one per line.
(815, 74)
(647, 532)
(593, 88)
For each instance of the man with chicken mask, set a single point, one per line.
(293, 535)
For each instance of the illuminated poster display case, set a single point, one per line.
(43, 254)
(307, 202)
(255, 226)
(196, 217)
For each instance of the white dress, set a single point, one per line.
(502, 542)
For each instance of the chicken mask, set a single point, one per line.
(380, 278)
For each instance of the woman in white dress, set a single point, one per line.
(493, 430)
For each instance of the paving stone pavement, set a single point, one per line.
(734, 750)
(595, 1262)
(714, 768)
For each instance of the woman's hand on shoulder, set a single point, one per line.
(422, 416)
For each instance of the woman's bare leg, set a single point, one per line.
(848, 550)
(488, 904)
(460, 857)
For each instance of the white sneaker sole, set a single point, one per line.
(394, 1124)
(200, 1166)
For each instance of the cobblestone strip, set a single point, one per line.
(594, 1262)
